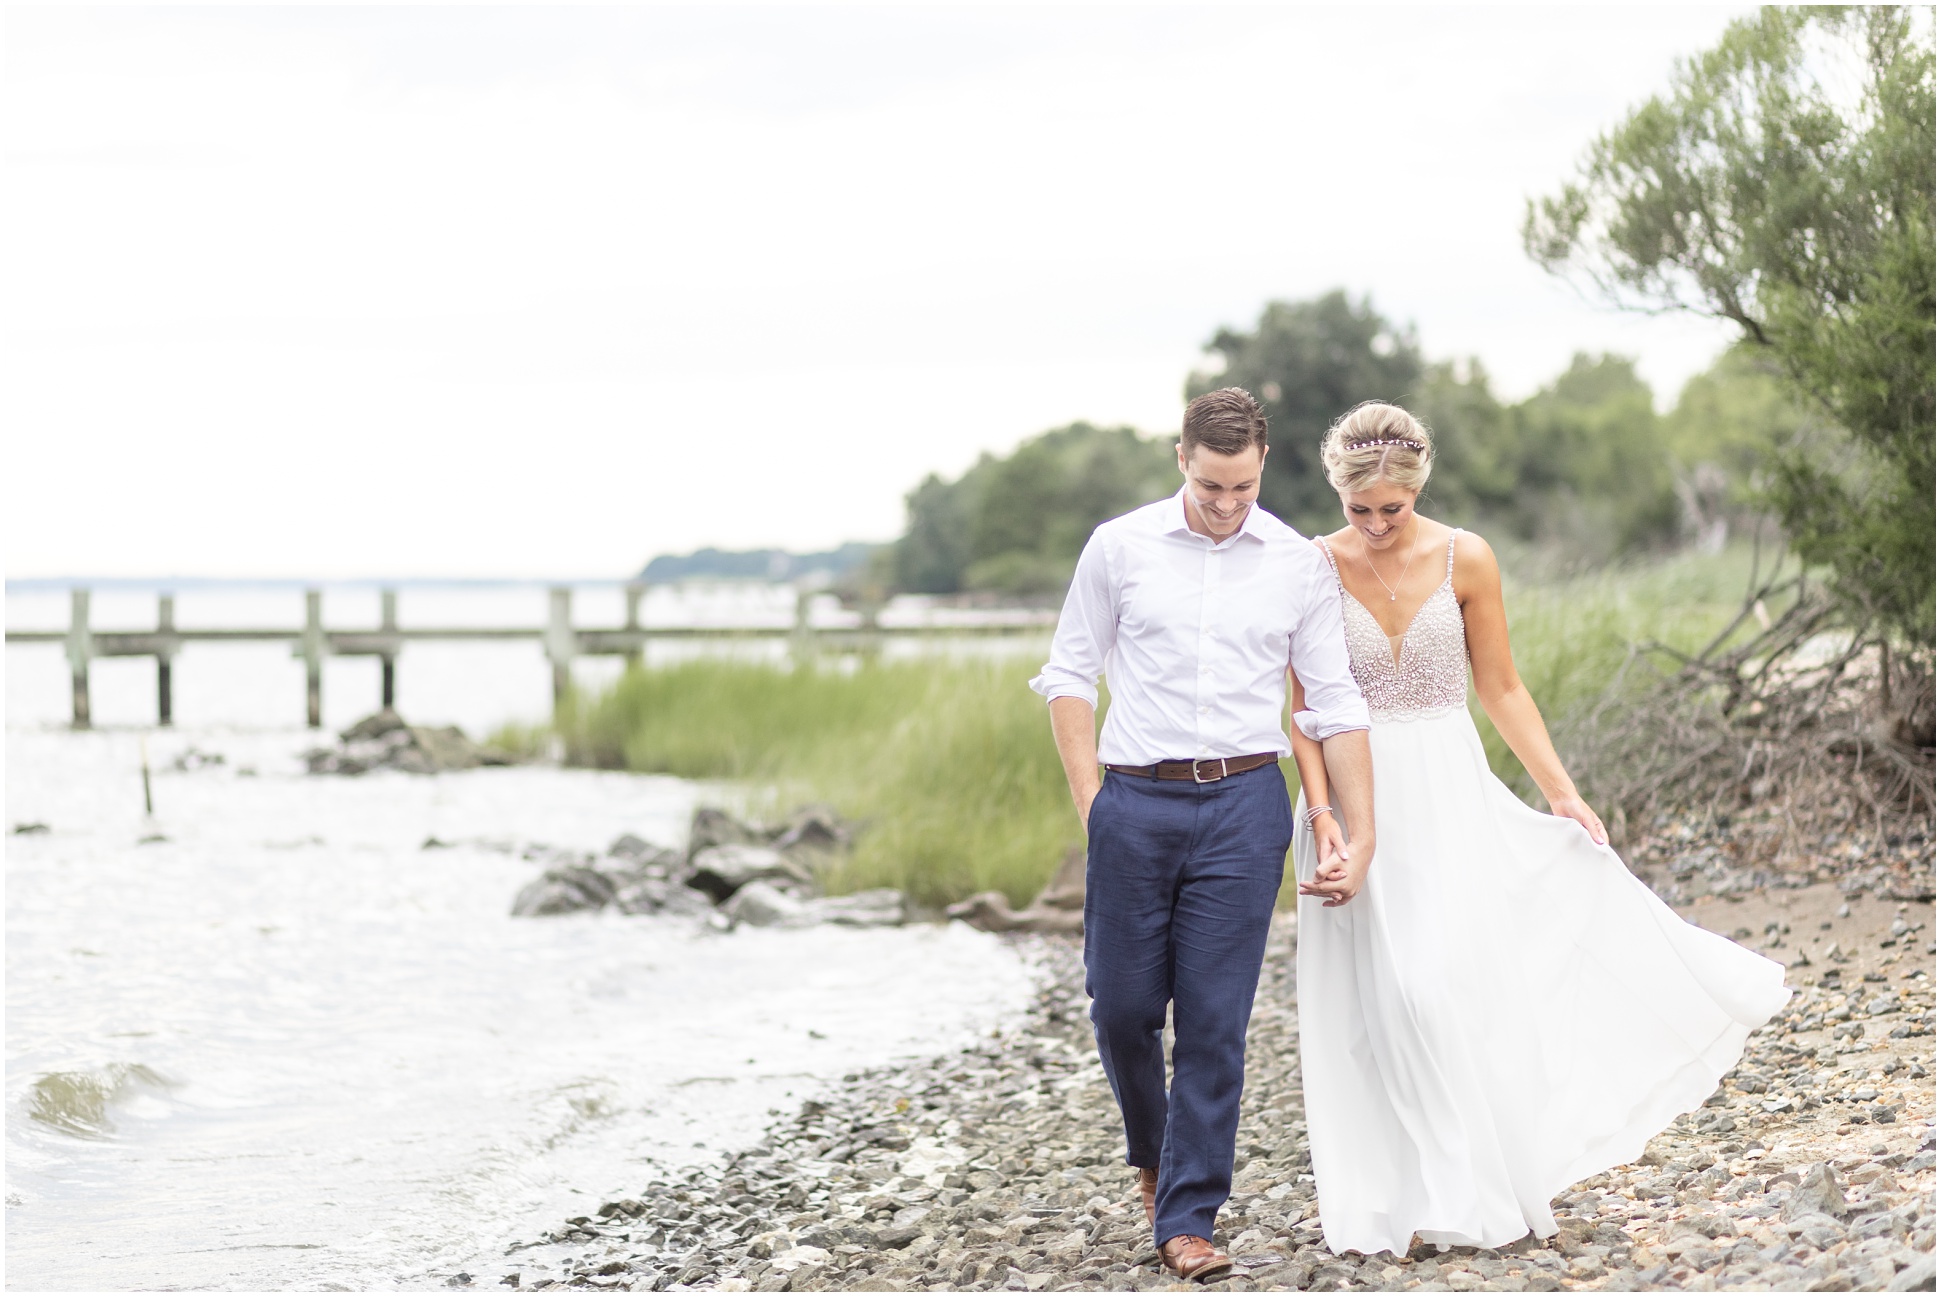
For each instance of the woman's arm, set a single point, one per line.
(1479, 588)
(1330, 846)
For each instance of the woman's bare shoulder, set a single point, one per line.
(1475, 562)
(1471, 545)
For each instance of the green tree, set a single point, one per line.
(1017, 523)
(1786, 183)
(935, 546)
(1722, 436)
(1475, 478)
(1306, 363)
(1592, 468)
(1581, 468)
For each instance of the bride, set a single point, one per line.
(1495, 1008)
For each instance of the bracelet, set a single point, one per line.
(1314, 813)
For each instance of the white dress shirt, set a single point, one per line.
(1195, 638)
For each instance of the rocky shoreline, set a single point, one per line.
(1001, 1167)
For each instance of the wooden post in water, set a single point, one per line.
(801, 643)
(872, 631)
(635, 589)
(311, 650)
(560, 644)
(80, 647)
(164, 660)
(388, 622)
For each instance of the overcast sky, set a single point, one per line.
(545, 292)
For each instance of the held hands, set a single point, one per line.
(1572, 807)
(1341, 870)
(1330, 843)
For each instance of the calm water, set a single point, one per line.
(285, 1046)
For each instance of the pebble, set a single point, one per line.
(1686, 854)
(1001, 1168)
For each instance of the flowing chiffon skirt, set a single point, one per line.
(1503, 1011)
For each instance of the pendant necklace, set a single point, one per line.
(1368, 554)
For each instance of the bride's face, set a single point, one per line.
(1380, 513)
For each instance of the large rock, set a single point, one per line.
(764, 906)
(1819, 1192)
(1918, 1277)
(714, 827)
(814, 834)
(383, 741)
(565, 890)
(879, 907)
(1060, 907)
(726, 857)
(724, 870)
(631, 847)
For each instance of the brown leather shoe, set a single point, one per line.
(1149, 1191)
(1194, 1259)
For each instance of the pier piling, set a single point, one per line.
(80, 648)
(311, 649)
(633, 656)
(388, 623)
(560, 642)
(164, 659)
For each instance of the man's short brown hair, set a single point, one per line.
(1226, 422)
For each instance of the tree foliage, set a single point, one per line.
(1306, 363)
(1785, 182)
(1585, 470)
(1017, 523)
(1582, 467)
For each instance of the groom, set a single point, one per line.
(1194, 608)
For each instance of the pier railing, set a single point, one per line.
(559, 637)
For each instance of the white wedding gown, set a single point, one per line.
(1504, 1010)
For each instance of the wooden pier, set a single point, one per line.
(561, 640)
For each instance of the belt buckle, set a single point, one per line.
(1216, 779)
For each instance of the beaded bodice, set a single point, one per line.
(1426, 670)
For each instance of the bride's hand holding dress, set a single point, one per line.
(1478, 586)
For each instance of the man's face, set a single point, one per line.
(1220, 488)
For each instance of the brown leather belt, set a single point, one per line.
(1200, 772)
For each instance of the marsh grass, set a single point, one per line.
(1580, 641)
(948, 764)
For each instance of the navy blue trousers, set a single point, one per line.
(1180, 884)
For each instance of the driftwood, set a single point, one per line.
(1058, 908)
(1818, 728)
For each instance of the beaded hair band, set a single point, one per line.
(1384, 441)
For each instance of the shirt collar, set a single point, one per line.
(1174, 517)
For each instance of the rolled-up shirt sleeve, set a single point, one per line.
(1318, 654)
(1087, 628)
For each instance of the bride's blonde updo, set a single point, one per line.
(1376, 442)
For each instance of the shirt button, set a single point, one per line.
(1205, 710)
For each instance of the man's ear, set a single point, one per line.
(1179, 448)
